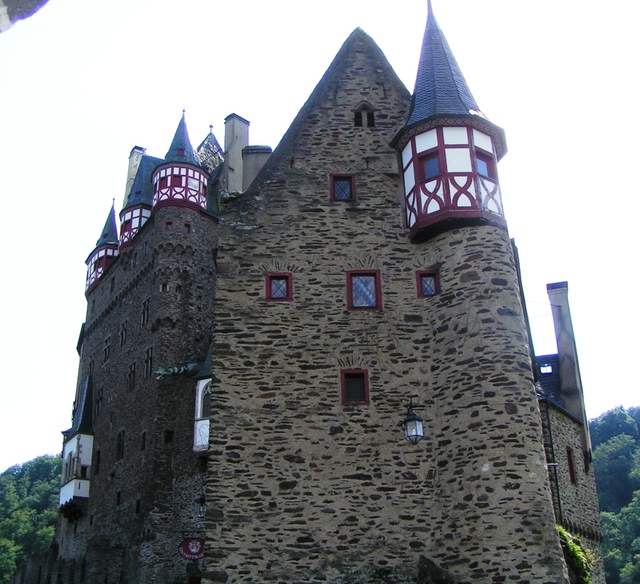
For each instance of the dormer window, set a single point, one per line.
(180, 151)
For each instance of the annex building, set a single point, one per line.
(263, 328)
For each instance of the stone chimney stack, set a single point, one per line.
(236, 138)
(570, 382)
(135, 156)
(254, 158)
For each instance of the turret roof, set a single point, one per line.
(83, 413)
(181, 149)
(142, 188)
(109, 231)
(440, 87)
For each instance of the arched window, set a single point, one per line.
(202, 413)
(364, 115)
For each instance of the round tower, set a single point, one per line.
(104, 253)
(180, 180)
(480, 403)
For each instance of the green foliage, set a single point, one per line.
(28, 511)
(616, 460)
(579, 559)
(614, 423)
(617, 472)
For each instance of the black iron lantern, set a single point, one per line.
(413, 430)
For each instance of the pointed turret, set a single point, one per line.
(180, 180)
(449, 149)
(139, 199)
(181, 149)
(77, 455)
(105, 252)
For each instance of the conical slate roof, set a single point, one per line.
(83, 414)
(181, 149)
(142, 188)
(440, 86)
(109, 231)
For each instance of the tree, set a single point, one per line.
(613, 423)
(28, 511)
(616, 477)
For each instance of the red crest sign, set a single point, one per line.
(192, 548)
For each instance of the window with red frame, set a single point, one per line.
(343, 187)
(354, 387)
(428, 283)
(486, 165)
(363, 290)
(430, 166)
(279, 287)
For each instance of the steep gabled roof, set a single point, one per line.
(182, 144)
(440, 87)
(83, 414)
(210, 153)
(341, 68)
(142, 188)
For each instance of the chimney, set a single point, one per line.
(254, 158)
(570, 382)
(236, 138)
(135, 156)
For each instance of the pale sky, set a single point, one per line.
(83, 81)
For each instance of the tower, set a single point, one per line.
(367, 265)
(133, 481)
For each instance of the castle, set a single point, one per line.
(314, 364)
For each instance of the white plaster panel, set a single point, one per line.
(406, 155)
(458, 160)
(482, 141)
(409, 179)
(426, 141)
(455, 135)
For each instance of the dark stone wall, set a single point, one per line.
(142, 503)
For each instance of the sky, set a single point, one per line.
(82, 82)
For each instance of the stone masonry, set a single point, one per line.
(302, 487)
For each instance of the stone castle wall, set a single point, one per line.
(303, 488)
(142, 503)
(575, 501)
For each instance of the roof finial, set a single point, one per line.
(210, 128)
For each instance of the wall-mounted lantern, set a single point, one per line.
(413, 430)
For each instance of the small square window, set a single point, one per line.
(343, 187)
(430, 166)
(428, 283)
(279, 287)
(355, 387)
(186, 228)
(168, 225)
(486, 165)
(363, 290)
